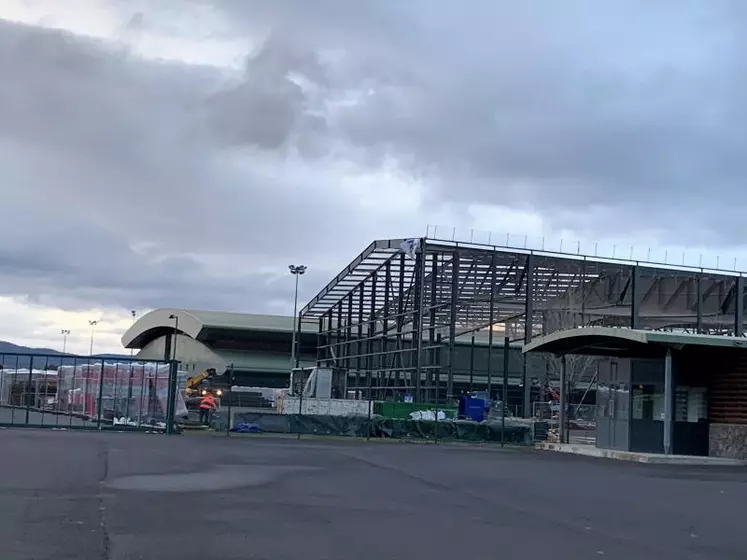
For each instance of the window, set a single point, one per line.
(690, 404)
(648, 402)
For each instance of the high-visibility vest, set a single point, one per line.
(208, 403)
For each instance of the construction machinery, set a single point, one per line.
(201, 384)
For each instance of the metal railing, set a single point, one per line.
(679, 257)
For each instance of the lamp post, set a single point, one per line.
(93, 330)
(295, 270)
(134, 315)
(64, 333)
(175, 318)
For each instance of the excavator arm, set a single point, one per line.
(194, 382)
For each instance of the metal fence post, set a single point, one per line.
(504, 396)
(230, 395)
(171, 399)
(370, 405)
(28, 388)
(99, 405)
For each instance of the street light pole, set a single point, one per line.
(93, 330)
(134, 314)
(64, 333)
(295, 270)
(175, 318)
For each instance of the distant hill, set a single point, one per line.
(13, 356)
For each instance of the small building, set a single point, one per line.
(661, 392)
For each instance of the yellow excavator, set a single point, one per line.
(194, 382)
(202, 383)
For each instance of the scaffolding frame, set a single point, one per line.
(392, 316)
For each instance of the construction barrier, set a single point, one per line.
(380, 427)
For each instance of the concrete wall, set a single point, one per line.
(728, 440)
(194, 355)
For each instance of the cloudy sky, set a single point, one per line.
(183, 152)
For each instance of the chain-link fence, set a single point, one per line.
(581, 423)
(294, 413)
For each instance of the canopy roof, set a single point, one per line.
(611, 341)
(196, 324)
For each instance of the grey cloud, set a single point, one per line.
(540, 104)
(102, 153)
(561, 107)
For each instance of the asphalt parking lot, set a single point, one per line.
(66, 495)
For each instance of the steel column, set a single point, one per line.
(432, 373)
(739, 306)
(360, 341)
(370, 364)
(528, 331)
(504, 396)
(635, 297)
(385, 324)
(418, 317)
(491, 319)
(668, 402)
(699, 303)
(349, 338)
(437, 377)
(330, 354)
(319, 342)
(562, 413)
(452, 324)
(472, 363)
(339, 345)
(399, 356)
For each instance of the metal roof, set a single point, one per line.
(371, 259)
(612, 341)
(599, 288)
(192, 322)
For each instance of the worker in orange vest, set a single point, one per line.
(207, 405)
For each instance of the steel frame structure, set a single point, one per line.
(392, 316)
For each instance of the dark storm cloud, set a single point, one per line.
(553, 105)
(102, 153)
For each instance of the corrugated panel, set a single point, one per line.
(728, 390)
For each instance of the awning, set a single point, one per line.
(611, 341)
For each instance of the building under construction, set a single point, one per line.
(393, 316)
